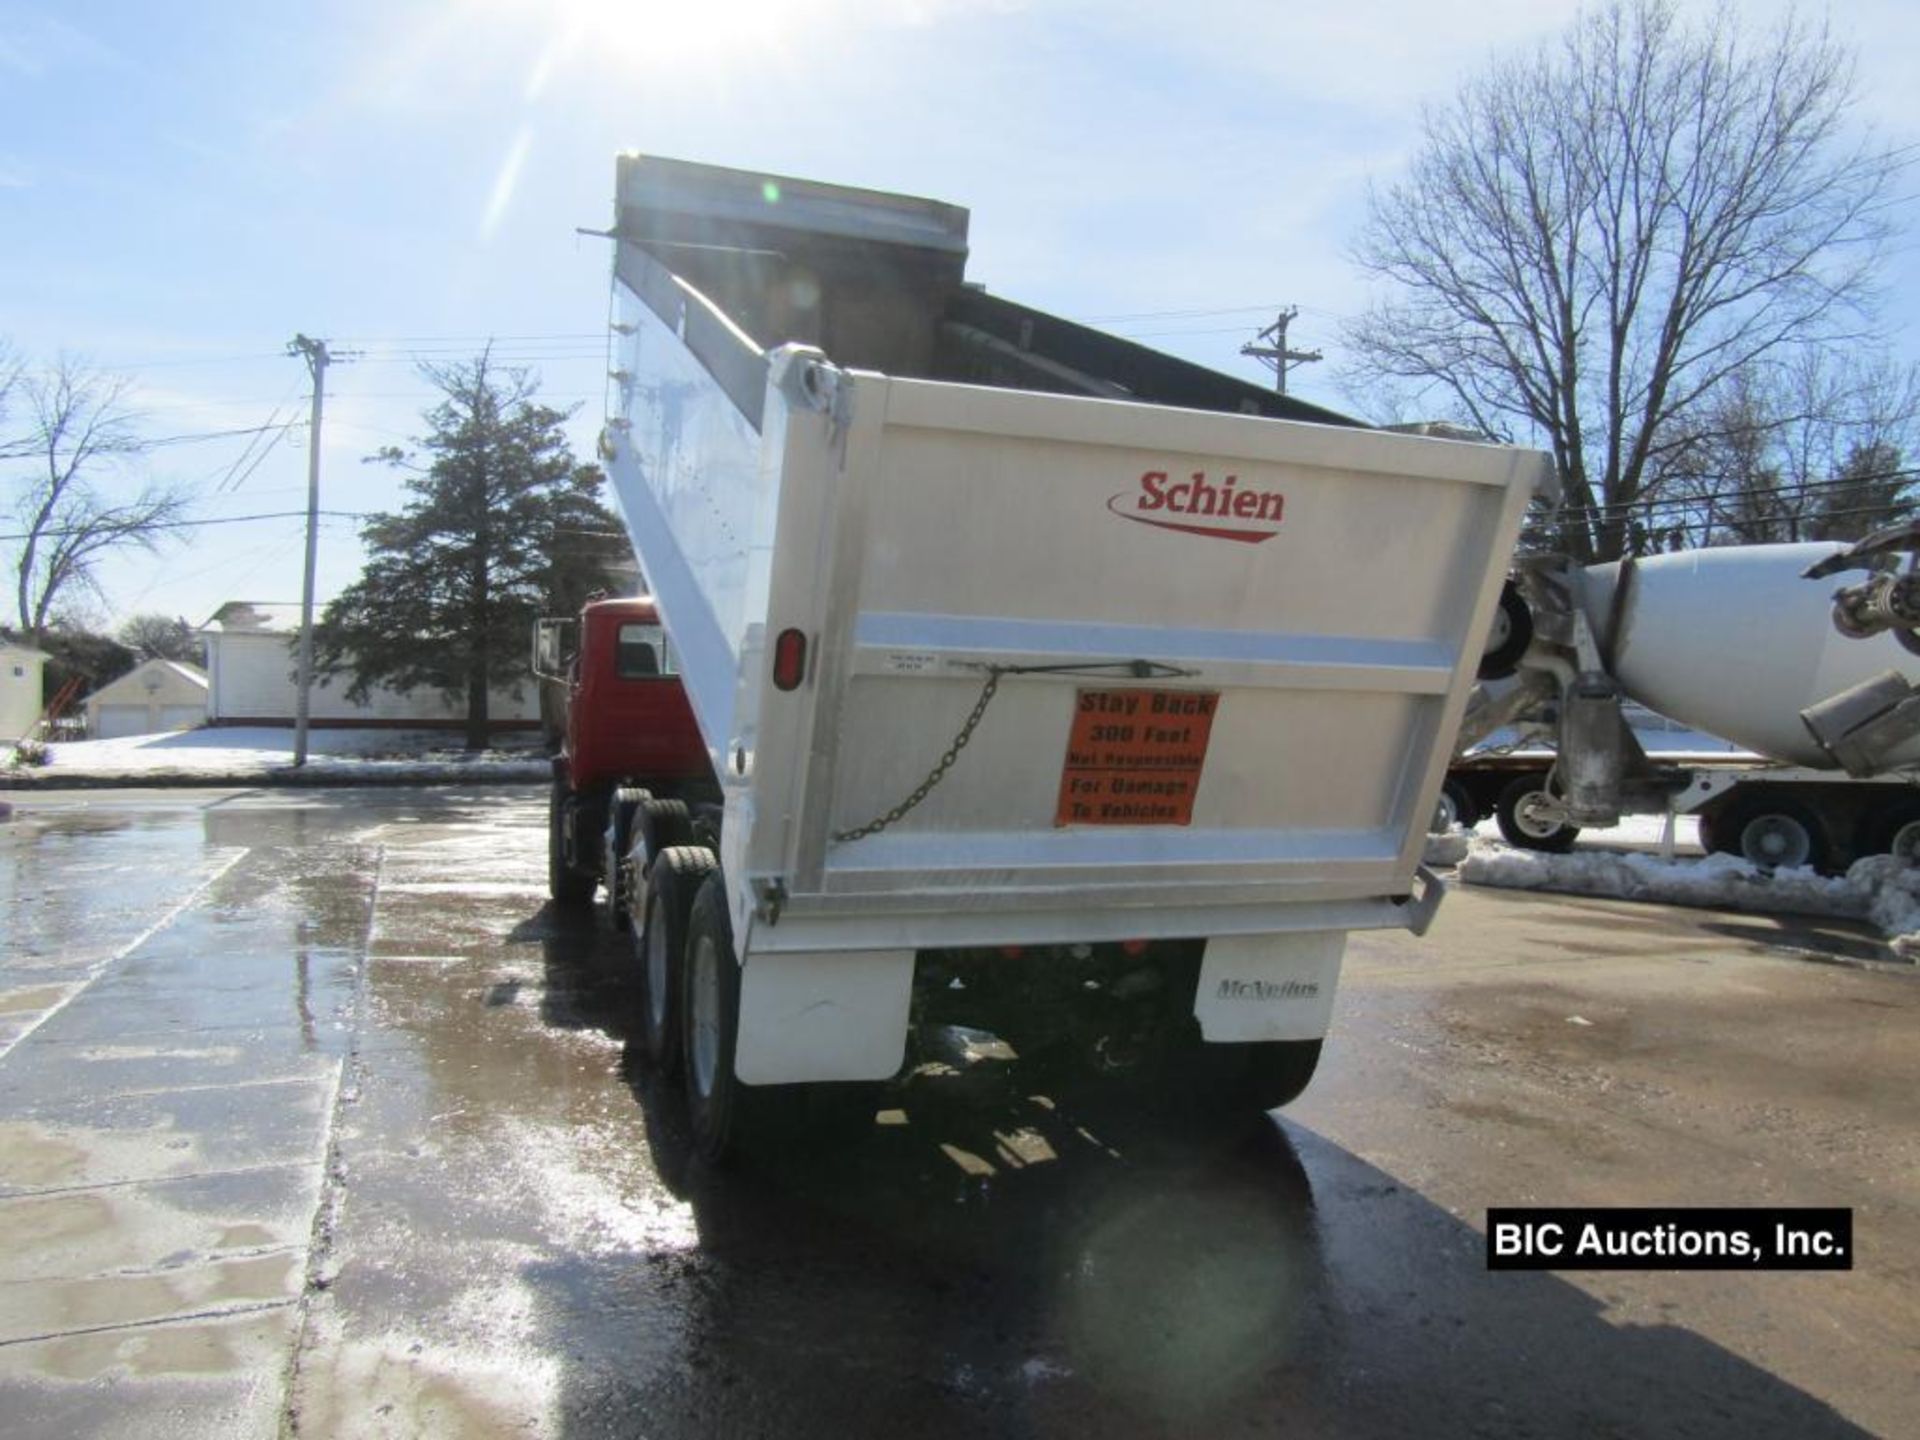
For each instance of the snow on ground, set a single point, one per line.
(1634, 832)
(1880, 890)
(263, 753)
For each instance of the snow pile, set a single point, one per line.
(1448, 847)
(253, 754)
(1879, 889)
(1893, 900)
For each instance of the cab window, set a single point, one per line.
(640, 653)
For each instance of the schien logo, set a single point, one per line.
(1198, 506)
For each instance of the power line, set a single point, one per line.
(232, 481)
(1800, 489)
(466, 339)
(196, 438)
(1706, 523)
(228, 481)
(200, 360)
(1176, 314)
(1210, 330)
(213, 520)
(506, 361)
(416, 394)
(256, 402)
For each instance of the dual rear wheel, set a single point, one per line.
(690, 1023)
(673, 880)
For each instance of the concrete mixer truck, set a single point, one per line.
(1750, 643)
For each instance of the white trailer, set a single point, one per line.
(1029, 661)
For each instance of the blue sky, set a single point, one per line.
(184, 186)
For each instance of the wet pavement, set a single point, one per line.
(315, 1120)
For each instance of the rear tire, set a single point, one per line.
(566, 887)
(660, 948)
(726, 1115)
(1454, 807)
(1264, 1074)
(1523, 821)
(1230, 1087)
(661, 825)
(1894, 831)
(717, 1103)
(1511, 634)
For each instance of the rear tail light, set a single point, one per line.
(789, 659)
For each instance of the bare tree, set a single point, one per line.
(1801, 447)
(1595, 236)
(9, 380)
(158, 637)
(78, 427)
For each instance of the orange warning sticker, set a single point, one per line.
(1134, 757)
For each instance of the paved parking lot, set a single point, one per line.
(314, 1119)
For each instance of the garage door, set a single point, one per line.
(119, 720)
(182, 717)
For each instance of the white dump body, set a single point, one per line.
(1316, 595)
(1735, 642)
(918, 532)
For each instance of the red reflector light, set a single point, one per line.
(1133, 947)
(789, 659)
(1012, 952)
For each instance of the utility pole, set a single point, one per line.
(314, 352)
(1275, 353)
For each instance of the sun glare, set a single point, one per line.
(657, 35)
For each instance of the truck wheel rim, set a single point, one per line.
(1445, 817)
(704, 983)
(656, 969)
(1534, 818)
(1776, 840)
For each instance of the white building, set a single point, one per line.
(22, 683)
(154, 697)
(252, 658)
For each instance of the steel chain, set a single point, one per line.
(939, 772)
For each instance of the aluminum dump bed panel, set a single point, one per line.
(1321, 591)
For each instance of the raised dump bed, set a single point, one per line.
(1004, 633)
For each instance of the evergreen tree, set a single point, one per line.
(76, 653)
(1873, 490)
(504, 525)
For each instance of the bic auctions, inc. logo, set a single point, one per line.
(1199, 506)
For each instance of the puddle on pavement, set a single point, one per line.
(29, 999)
(156, 1225)
(63, 1307)
(242, 1346)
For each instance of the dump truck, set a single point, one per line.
(1038, 677)
(1814, 686)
